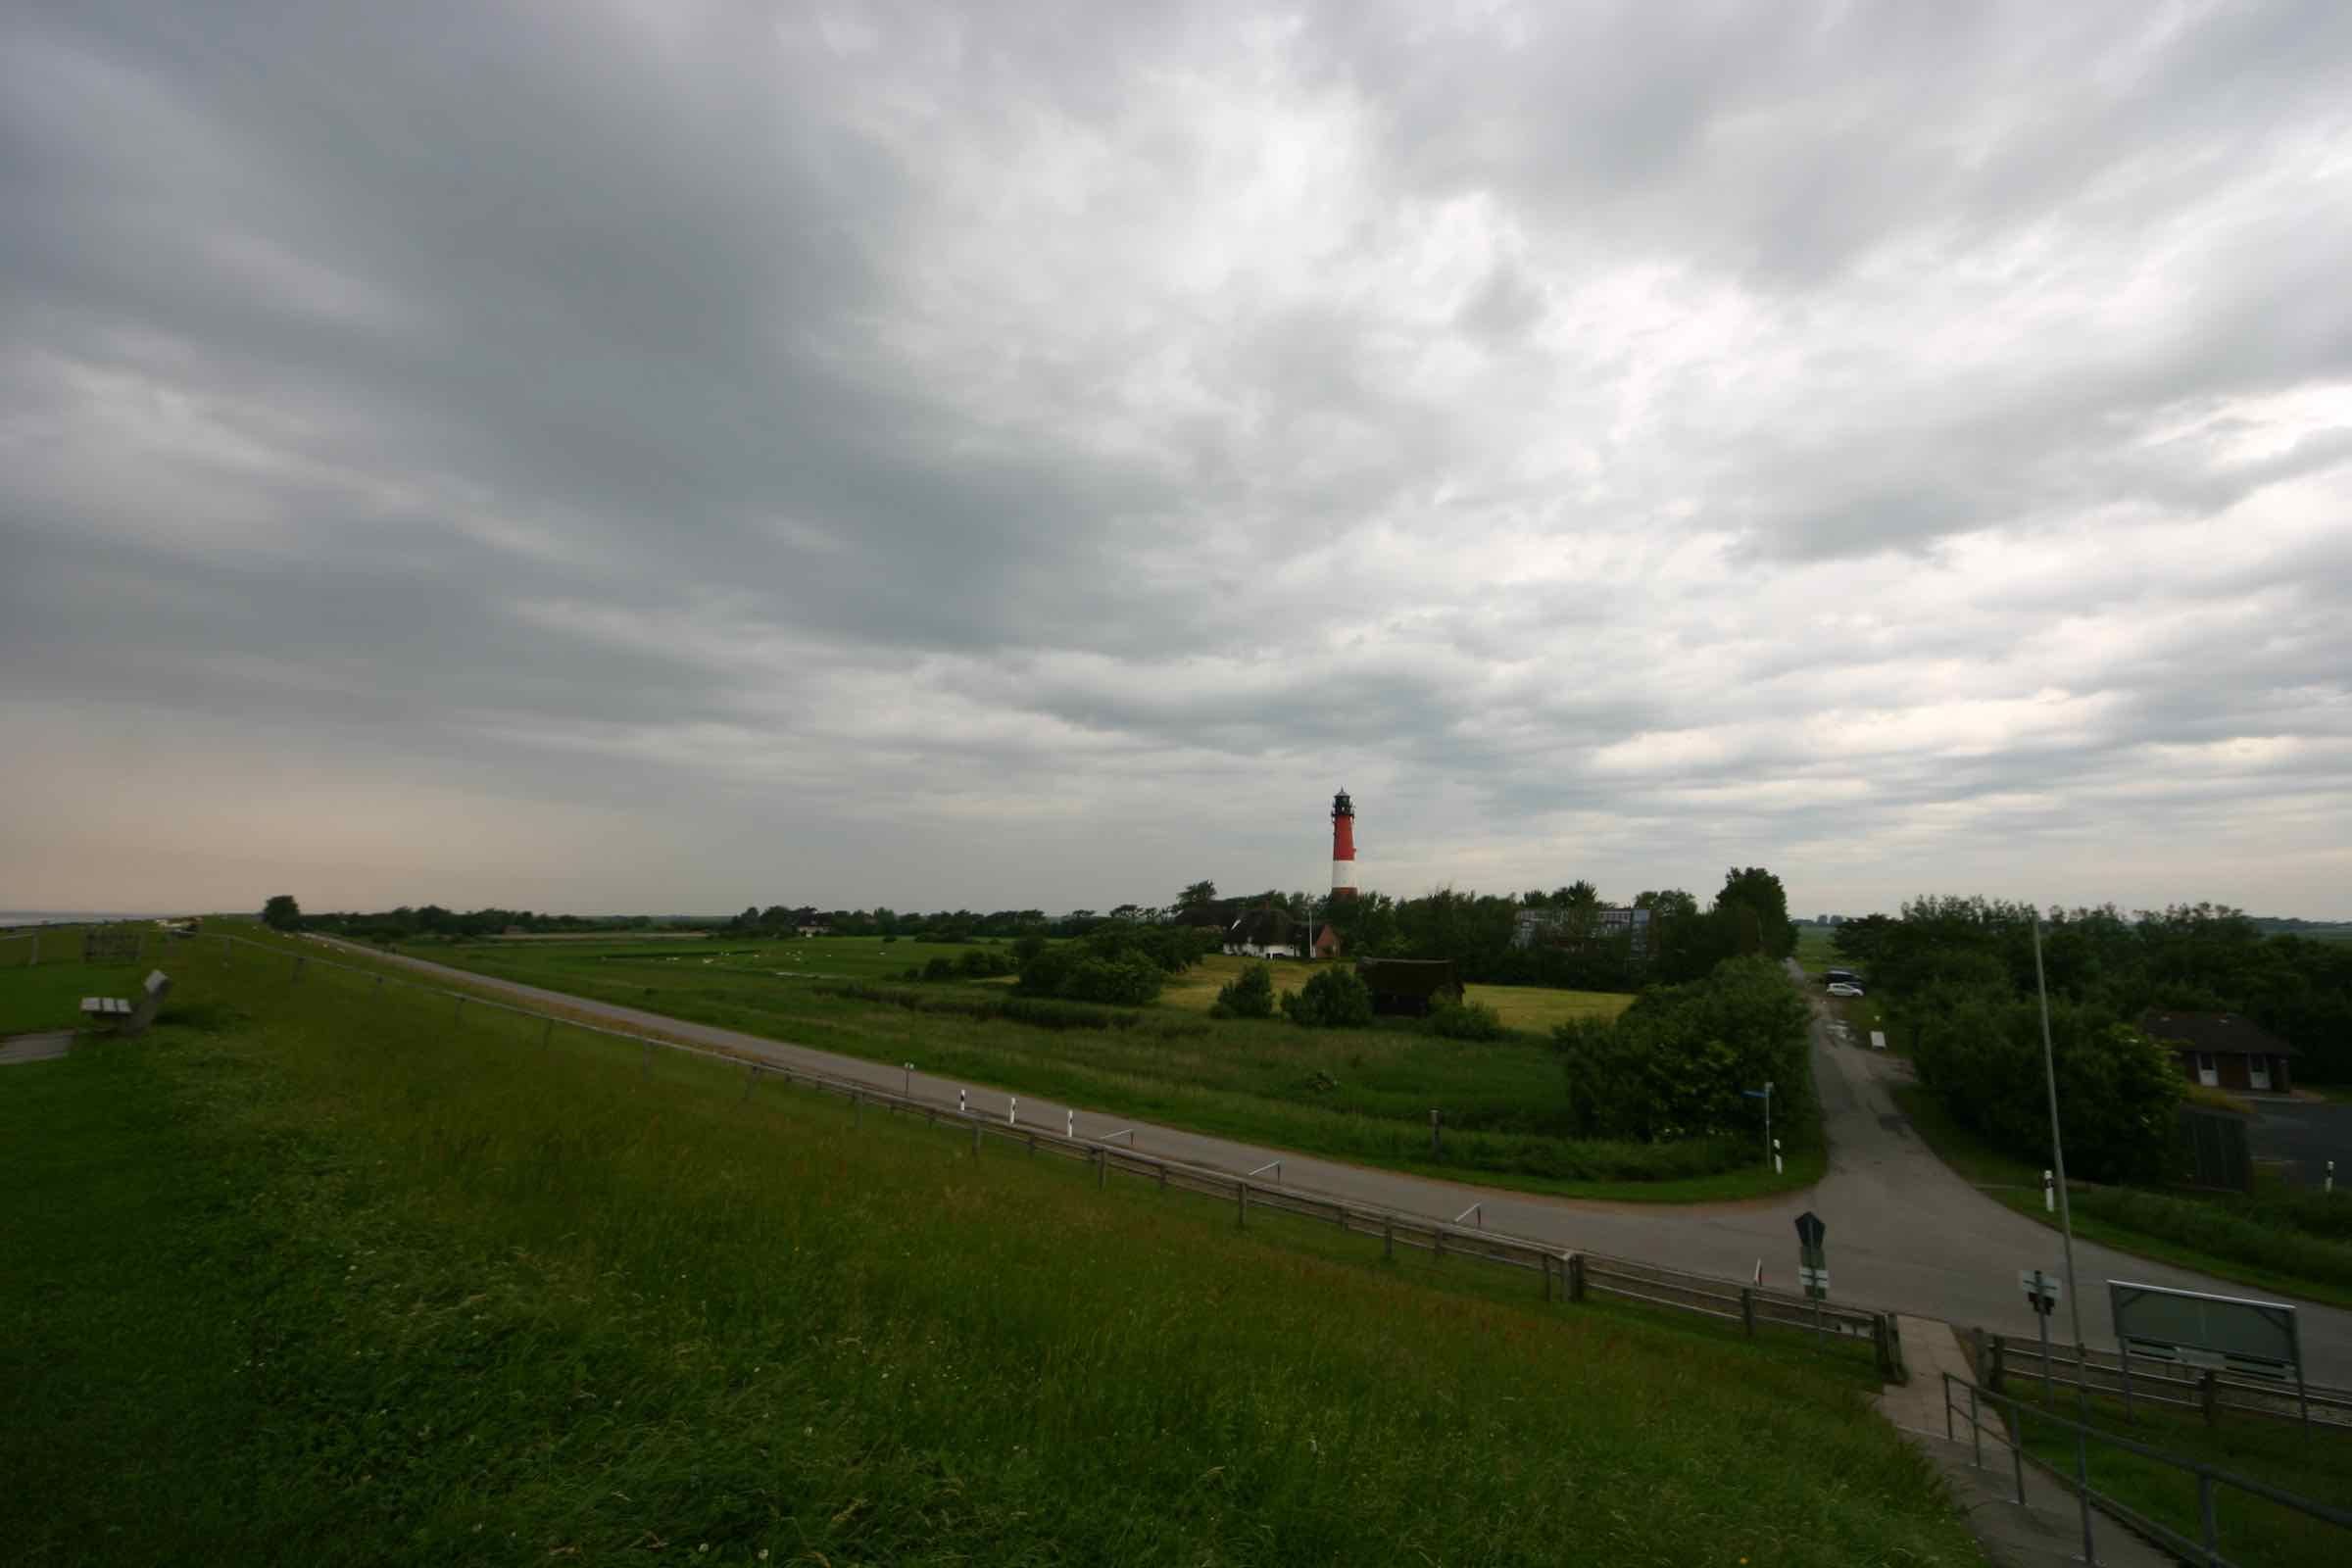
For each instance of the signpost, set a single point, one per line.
(1813, 1268)
(1765, 1095)
(2211, 1330)
(2042, 1291)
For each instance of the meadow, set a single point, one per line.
(1362, 1094)
(316, 1274)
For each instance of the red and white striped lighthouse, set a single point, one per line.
(1342, 846)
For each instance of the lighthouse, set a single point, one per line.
(1342, 846)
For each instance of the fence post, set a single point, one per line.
(460, 1013)
(1163, 1175)
(1387, 1238)
(2082, 1485)
(1995, 1363)
(1747, 1311)
(1544, 1259)
(1878, 1334)
(1241, 1205)
(1575, 1276)
(1101, 1170)
(2205, 1395)
(1438, 1242)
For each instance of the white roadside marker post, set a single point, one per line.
(1013, 1111)
(2049, 1196)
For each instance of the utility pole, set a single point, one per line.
(2066, 1217)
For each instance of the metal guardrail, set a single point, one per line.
(2206, 1550)
(1568, 1275)
(2209, 1391)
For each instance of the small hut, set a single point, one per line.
(1409, 987)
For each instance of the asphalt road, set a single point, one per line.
(1905, 1233)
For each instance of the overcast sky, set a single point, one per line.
(666, 457)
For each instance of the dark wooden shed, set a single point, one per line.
(1409, 985)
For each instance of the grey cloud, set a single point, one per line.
(824, 429)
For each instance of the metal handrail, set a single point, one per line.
(2208, 1477)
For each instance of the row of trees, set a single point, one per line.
(1954, 977)
(2190, 957)
(408, 922)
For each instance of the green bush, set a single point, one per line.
(940, 968)
(1676, 1063)
(1978, 1052)
(2233, 1230)
(1250, 996)
(1466, 1021)
(1119, 965)
(1332, 999)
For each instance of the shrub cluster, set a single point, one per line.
(1123, 965)
(1673, 1064)
(1466, 1021)
(1978, 1052)
(1250, 996)
(975, 963)
(2235, 1231)
(1332, 999)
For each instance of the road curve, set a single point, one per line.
(1905, 1233)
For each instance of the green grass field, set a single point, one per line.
(2188, 1230)
(1537, 1010)
(311, 1274)
(1362, 1094)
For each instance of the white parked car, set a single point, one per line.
(1846, 988)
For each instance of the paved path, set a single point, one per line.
(44, 1047)
(1905, 1233)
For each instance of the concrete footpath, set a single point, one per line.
(1983, 1472)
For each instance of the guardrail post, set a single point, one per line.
(1101, 1169)
(1543, 1260)
(1163, 1175)
(1388, 1237)
(1747, 1311)
(1575, 1276)
(1438, 1244)
(1241, 1205)
(1881, 1331)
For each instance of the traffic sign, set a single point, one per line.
(2043, 1291)
(1814, 1280)
(1810, 1230)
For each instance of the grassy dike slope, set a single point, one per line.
(306, 1275)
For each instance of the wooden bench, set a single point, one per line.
(129, 1019)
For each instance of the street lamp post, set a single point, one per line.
(2066, 1217)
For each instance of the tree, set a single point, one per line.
(1252, 996)
(1197, 897)
(1759, 892)
(1674, 1064)
(282, 913)
(1333, 998)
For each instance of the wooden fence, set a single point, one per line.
(2211, 1391)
